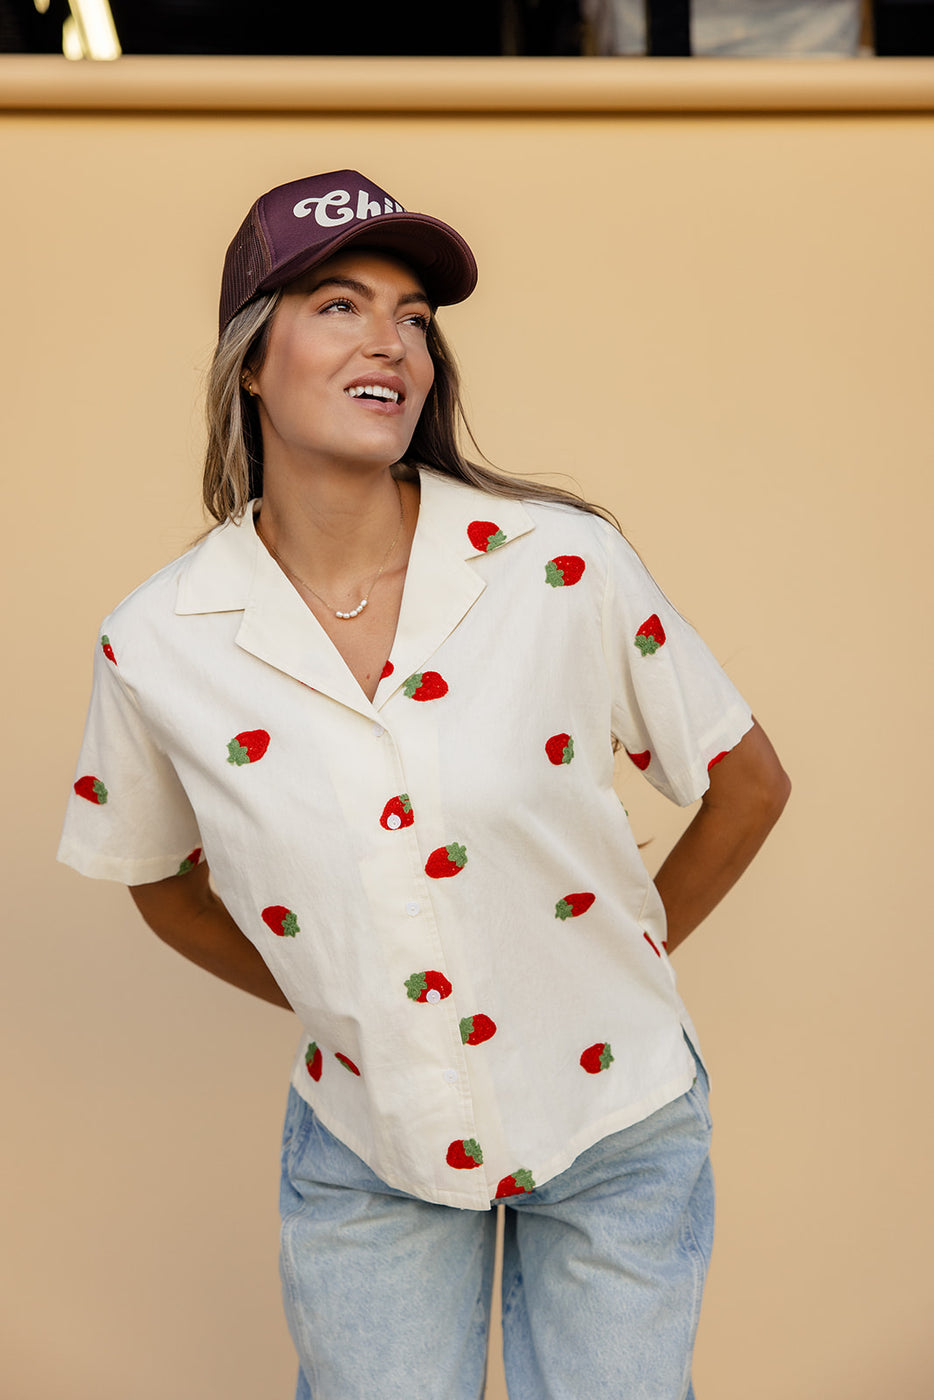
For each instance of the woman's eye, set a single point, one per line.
(338, 304)
(418, 320)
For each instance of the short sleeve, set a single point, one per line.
(674, 708)
(128, 816)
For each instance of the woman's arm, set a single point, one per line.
(747, 792)
(186, 913)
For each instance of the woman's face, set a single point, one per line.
(347, 368)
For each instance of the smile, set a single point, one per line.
(372, 391)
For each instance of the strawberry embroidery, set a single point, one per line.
(247, 747)
(477, 1028)
(425, 685)
(560, 748)
(650, 636)
(651, 944)
(108, 650)
(386, 671)
(190, 861)
(716, 759)
(347, 1063)
(597, 1057)
(397, 813)
(281, 920)
(446, 861)
(92, 788)
(516, 1184)
(641, 760)
(573, 904)
(485, 536)
(564, 570)
(428, 986)
(464, 1154)
(313, 1061)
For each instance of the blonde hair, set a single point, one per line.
(233, 464)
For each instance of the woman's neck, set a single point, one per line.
(334, 532)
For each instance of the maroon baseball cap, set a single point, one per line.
(295, 226)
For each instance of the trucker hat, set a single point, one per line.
(293, 227)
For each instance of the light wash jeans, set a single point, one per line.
(388, 1297)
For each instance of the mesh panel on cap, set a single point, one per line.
(247, 263)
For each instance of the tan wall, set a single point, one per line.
(720, 326)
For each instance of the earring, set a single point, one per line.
(247, 384)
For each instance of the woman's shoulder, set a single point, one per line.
(157, 596)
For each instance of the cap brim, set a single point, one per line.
(433, 249)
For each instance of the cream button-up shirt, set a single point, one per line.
(443, 881)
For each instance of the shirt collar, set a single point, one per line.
(231, 570)
(219, 574)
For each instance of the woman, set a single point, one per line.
(380, 704)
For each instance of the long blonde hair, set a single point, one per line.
(233, 464)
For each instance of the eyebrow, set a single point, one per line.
(362, 290)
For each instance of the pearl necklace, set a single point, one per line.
(355, 612)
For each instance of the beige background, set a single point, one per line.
(720, 326)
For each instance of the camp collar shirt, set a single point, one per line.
(443, 882)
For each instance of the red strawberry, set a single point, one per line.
(651, 944)
(564, 570)
(597, 1057)
(190, 861)
(641, 760)
(428, 986)
(650, 636)
(573, 904)
(397, 813)
(717, 759)
(92, 788)
(348, 1064)
(386, 671)
(282, 921)
(477, 1028)
(108, 650)
(560, 748)
(445, 861)
(517, 1184)
(313, 1061)
(484, 535)
(248, 747)
(425, 685)
(464, 1154)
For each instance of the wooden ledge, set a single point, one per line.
(36, 83)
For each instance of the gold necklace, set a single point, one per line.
(355, 612)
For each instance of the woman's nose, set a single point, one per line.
(385, 341)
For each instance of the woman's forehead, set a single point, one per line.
(360, 264)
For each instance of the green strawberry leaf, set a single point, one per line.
(290, 925)
(415, 985)
(553, 575)
(405, 801)
(563, 910)
(237, 753)
(412, 684)
(457, 854)
(647, 645)
(466, 1028)
(495, 541)
(472, 1149)
(100, 791)
(606, 1058)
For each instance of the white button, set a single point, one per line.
(394, 821)
(413, 907)
(378, 731)
(450, 1076)
(433, 996)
